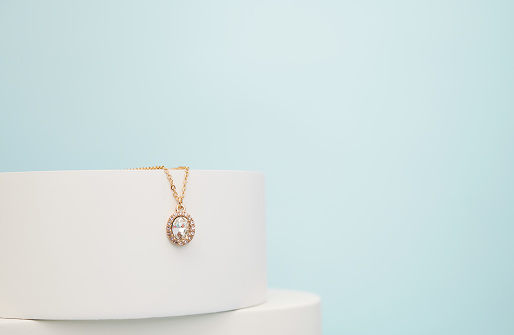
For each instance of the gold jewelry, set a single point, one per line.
(181, 226)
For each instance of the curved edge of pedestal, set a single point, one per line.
(109, 170)
(285, 312)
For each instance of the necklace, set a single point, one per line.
(180, 228)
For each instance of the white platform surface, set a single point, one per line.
(92, 244)
(286, 312)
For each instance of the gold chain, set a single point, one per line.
(170, 179)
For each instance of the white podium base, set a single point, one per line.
(285, 312)
(88, 245)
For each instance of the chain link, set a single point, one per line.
(170, 179)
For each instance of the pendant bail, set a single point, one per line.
(180, 207)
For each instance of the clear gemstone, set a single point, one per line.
(180, 226)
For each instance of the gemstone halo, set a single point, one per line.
(180, 228)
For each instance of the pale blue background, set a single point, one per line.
(385, 129)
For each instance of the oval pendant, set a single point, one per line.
(180, 228)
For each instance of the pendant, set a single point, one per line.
(180, 228)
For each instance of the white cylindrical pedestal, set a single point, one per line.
(93, 244)
(285, 312)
